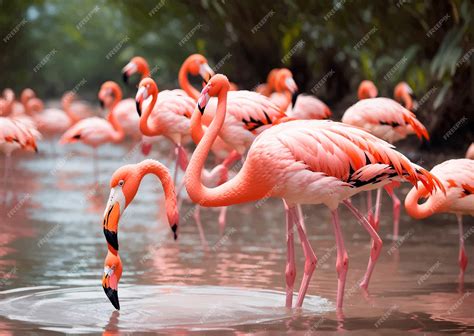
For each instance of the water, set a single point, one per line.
(52, 251)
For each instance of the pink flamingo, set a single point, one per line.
(305, 106)
(14, 135)
(97, 131)
(470, 152)
(139, 65)
(304, 162)
(124, 186)
(388, 120)
(195, 65)
(124, 110)
(457, 177)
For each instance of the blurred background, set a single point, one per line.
(54, 46)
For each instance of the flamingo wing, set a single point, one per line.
(309, 107)
(384, 118)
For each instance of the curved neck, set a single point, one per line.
(159, 170)
(237, 190)
(145, 127)
(424, 210)
(146, 71)
(66, 103)
(119, 133)
(407, 101)
(184, 82)
(288, 98)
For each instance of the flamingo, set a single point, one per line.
(124, 185)
(305, 106)
(390, 121)
(124, 110)
(195, 65)
(470, 152)
(403, 93)
(304, 162)
(14, 135)
(457, 177)
(95, 131)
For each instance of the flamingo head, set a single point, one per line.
(367, 89)
(403, 93)
(212, 89)
(9, 94)
(34, 105)
(109, 93)
(111, 277)
(271, 79)
(284, 81)
(136, 64)
(197, 65)
(146, 88)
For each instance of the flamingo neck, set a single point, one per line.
(145, 127)
(424, 210)
(234, 191)
(159, 170)
(119, 132)
(146, 71)
(184, 82)
(407, 101)
(288, 98)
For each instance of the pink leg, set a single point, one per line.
(197, 218)
(376, 244)
(370, 212)
(222, 217)
(290, 272)
(396, 211)
(378, 206)
(309, 255)
(342, 262)
(182, 158)
(301, 216)
(462, 251)
(176, 165)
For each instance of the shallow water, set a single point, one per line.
(52, 251)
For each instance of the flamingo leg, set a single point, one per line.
(221, 220)
(396, 211)
(197, 218)
(309, 255)
(342, 261)
(301, 216)
(176, 166)
(376, 244)
(462, 251)
(290, 272)
(378, 206)
(370, 213)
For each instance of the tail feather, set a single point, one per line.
(417, 126)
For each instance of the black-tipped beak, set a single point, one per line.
(294, 96)
(139, 109)
(112, 294)
(125, 77)
(201, 109)
(174, 228)
(102, 104)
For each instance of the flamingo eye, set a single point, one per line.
(121, 182)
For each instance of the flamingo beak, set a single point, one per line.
(127, 71)
(291, 85)
(203, 99)
(206, 72)
(110, 224)
(110, 286)
(142, 94)
(102, 104)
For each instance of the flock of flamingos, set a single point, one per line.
(285, 145)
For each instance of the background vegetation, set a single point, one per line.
(330, 46)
